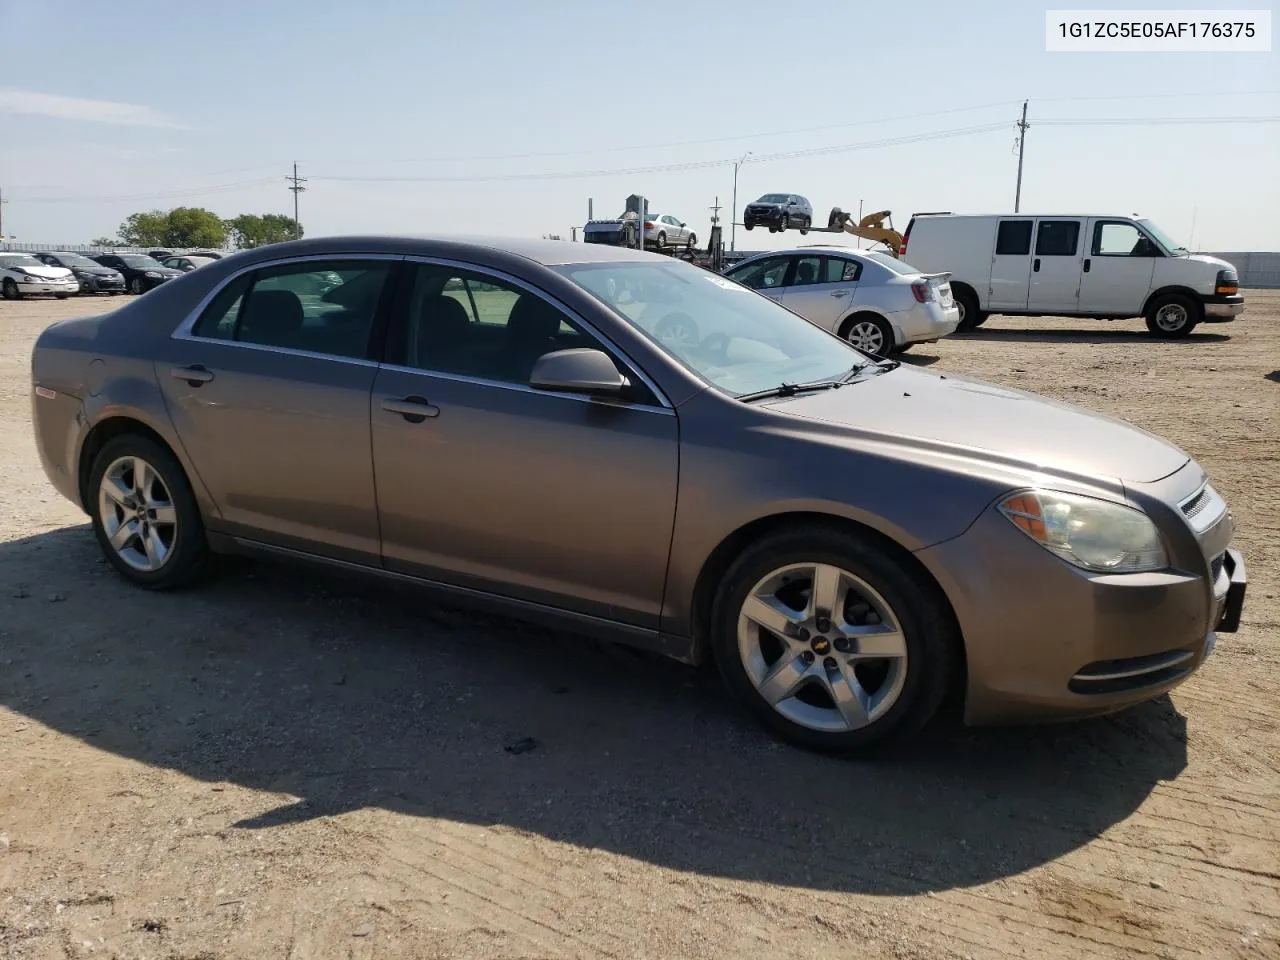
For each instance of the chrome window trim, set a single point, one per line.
(618, 352)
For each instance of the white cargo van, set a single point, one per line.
(1109, 267)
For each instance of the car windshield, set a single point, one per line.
(1161, 237)
(893, 263)
(727, 334)
(773, 198)
(139, 262)
(20, 260)
(75, 260)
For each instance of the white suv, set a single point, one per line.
(879, 304)
(1066, 265)
(22, 274)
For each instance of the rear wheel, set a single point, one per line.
(869, 333)
(1173, 315)
(967, 302)
(831, 641)
(144, 514)
(691, 243)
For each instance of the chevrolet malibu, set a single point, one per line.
(848, 539)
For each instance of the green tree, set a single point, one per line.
(194, 227)
(144, 229)
(251, 230)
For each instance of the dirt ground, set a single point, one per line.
(279, 765)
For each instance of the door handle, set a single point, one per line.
(1086, 264)
(1035, 266)
(414, 409)
(195, 374)
(839, 293)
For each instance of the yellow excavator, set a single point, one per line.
(870, 227)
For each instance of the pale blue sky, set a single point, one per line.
(216, 100)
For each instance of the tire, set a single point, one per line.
(748, 226)
(869, 333)
(662, 241)
(970, 315)
(61, 296)
(895, 695)
(784, 224)
(10, 289)
(1173, 316)
(187, 556)
(808, 222)
(136, 287)
(691, 243)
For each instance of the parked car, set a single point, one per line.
(141, 273)
(849, 538)
(1067, 265)
(92, 276)
(160, 256)
(22, 275)
(186, 264)
(779, 211)
(662, 230)
(207, 254)
(879, 304)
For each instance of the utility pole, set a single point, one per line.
(733, 214)
(1022, 142)
(3, 201)
(296, 186)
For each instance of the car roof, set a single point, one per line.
(545, 252)
(817, 249)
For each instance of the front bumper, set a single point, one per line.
(90, 284)
(1222, 309)
(60, 288)
(767, 218)
(1046, 641)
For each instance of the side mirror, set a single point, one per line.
(683, 224)
(580, 370)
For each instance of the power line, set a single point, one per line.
(1149, 121)
(169, 195)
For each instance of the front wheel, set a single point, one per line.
(831, 641)
(784, 224)
(748, 226)
(1173, 315)
(870, 334)
(808, 222)
(10, 289)
(144, 514)
(136, 287)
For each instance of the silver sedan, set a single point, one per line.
(877, 303)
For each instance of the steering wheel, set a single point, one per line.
(677, 329)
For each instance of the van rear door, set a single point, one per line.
(1011, 264)
(1055, 267)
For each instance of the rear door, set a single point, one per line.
(822, 288)
(1055, 267)
(1011, 264)
(1117, 269)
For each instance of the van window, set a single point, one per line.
(1118, 240)
(1013, 239)
(1057, 238)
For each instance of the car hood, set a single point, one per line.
(981, 418)
(1211, 261)
(48, 273)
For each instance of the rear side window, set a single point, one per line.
(836, 270)
(317, 307)
(1013, 238)
(1057, 238)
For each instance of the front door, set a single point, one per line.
(1055, 267)
(1011, 265)
(490, 484)
(1117, 269)
(822, 289)
(270, 395)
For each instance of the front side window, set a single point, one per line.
(474, 325)
(730, 337)
(762, 274)
(1057, 238)
(1118, 240)
(317, 307)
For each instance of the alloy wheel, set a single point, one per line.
(137, 514)
(822, 647)
(867, 336)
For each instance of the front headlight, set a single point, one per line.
(152, 275)
(1091, 534)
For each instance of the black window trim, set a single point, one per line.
(619, 356)
(377, 333)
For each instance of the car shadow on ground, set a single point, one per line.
(348, 695)
(1092, 335)
(918, 359)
